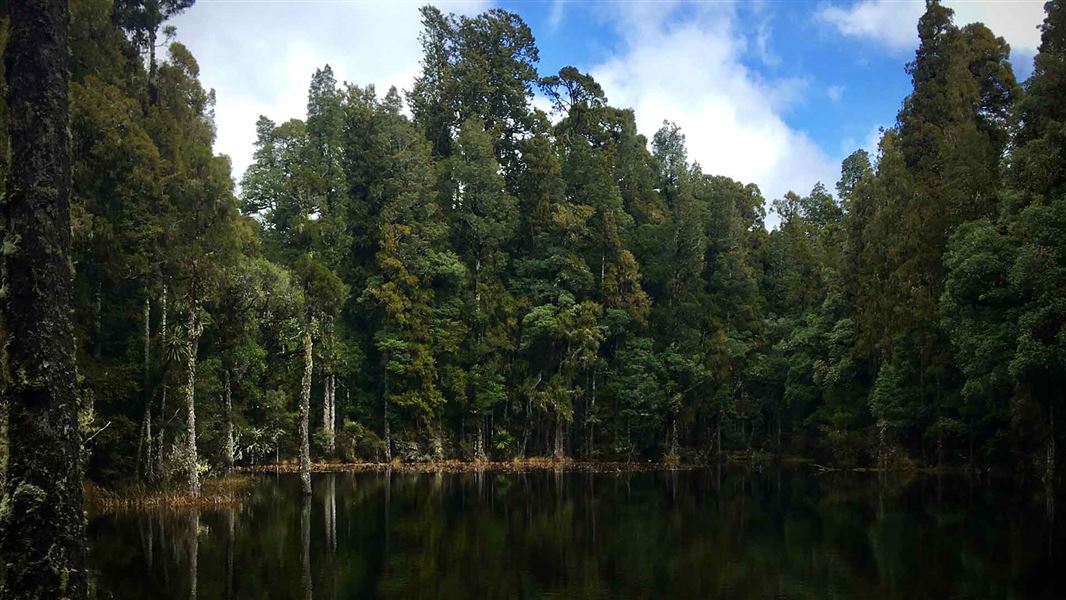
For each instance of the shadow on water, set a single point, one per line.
(718, 533)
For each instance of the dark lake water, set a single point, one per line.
(735, 534)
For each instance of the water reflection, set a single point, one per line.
(305, 544)
(715, 533)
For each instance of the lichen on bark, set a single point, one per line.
(43, 546)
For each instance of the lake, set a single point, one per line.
(711, 533)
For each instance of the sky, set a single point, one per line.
(771, 92)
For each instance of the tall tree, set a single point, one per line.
(43, 543)
(418, 282)
(142, 19)
(483, 220)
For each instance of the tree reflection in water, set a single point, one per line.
(714, 533)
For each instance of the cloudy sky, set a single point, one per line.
(770, 92)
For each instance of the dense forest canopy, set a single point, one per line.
(449, 272)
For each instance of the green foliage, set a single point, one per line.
(485, 280)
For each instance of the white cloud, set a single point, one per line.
(835, 92)
(890, 23)
(259, 56)
(894, 24)
(762, 45)
(555, 17)
(689, 70)
(1018, 21)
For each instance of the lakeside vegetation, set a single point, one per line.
(451, 273)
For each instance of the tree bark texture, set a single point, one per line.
(227, 397)
(328, 418)
(160, 458)
(43, 546)
(195, 329)
(145, 442)
(305, 409)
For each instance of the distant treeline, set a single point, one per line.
(469, 277)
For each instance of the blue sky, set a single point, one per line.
(770, 92)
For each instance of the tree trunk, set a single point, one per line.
(591, 418)
(385, 434)
(718, 435)
(438, 439)
(559, 453)
(43, 543)
(195, 329)
(673, 446)
(163, 391)
(153, 87)
(527, 429)
(479, 441)
(227, 394)
(98, 327)
(332, 414)
(327, 412)
(144, 443)
(305, 409)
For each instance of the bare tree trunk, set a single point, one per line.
(144, 442)
(332, 414)
(305, 409)
(163, 391)
(386, 435)
(527, 429)
(153, 88)
(98, 327)
(591, 418)
(43, 543)
(438, 440)
(882, 446)
(195, 329)
(559, 452)
(479, 441)
(3, 443)
(673, 446)
(227, 396)
(327, 412)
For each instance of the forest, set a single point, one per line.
(447, 272)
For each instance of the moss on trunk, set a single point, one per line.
(43, 546)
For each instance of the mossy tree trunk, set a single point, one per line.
(559, 452)
(43, 546)
(144, 443)
(194, 329)
(160, 457)
(329, 389)
(227, 398)
(328, 417)
(305, 409)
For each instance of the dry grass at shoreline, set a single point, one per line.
(461, 466)
(214, 493)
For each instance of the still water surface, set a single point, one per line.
(691, 534)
